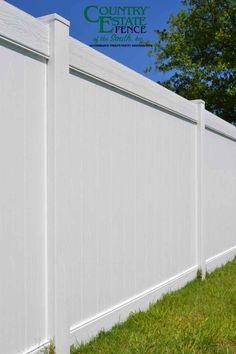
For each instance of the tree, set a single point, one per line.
(199, 50)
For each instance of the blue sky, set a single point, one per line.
(157, 14)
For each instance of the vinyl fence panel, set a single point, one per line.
(22, 201)
(113, 190)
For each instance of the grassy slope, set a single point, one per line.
(200, 318)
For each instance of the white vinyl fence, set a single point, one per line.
(113, 190)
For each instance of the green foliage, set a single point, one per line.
(49, 349)
(200, 318)
(199, 48)
(199, 274)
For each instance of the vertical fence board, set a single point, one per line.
(57, 243)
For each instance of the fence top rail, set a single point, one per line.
(32, 34)
(97, 65)
(23, 30)
(220, 126)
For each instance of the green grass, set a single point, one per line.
(200, 318)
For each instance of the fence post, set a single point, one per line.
(200, 187)
(56, 248)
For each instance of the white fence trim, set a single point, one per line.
(23, 30)
(220, 259)
(89, 61)
(105, 320)
(37, 349)
(219, 126)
